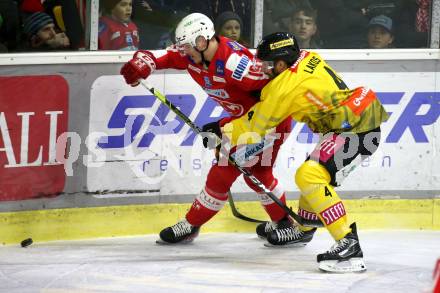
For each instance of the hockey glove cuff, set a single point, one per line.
(140, 66)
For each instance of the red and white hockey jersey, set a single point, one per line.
(115, 35)
(233, 78)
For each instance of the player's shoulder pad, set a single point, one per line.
(239, 65)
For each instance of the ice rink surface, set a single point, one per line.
(397, 261)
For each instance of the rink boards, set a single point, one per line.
(114, 221)
(127, 156)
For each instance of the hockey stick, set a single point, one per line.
(231, 160)
(239, 215)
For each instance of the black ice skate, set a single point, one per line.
(264, 228)
(182, 232)
(288, 235)
(345, 256)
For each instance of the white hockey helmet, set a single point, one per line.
(193, 26)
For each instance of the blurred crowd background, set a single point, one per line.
(55, 25)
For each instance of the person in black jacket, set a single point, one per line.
(9, 26)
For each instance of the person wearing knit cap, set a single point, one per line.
(40, 30)
(116, 29)
(229, 24)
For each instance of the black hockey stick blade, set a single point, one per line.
(239, 215)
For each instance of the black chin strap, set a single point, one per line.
(204, 61)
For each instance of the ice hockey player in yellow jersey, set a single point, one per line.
(306, 88)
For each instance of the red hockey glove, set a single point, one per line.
(140, 66)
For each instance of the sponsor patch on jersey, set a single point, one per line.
(333, 213)
(196, 69)
(234, 46)
(241, 67)
(346, 125)
(280, 44)
(328, 148)
(208, 83)
(248, 153)
(218, 79)
(316, 101)
(307, 215)
(360, 99)
(220, 67)
(218, 93)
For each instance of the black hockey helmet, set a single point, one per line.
(278, 46)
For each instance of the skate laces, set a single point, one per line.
(339, 246)
(182, 228)
(289, 233)
(270, 226)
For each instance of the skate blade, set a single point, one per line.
(353, 265)
(292, 245)
(185, 242)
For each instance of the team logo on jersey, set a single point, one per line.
(234, 46)
(220, 67)
(233, 109)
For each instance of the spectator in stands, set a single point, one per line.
(380, 32)
(304, 28)
(410, 20)
(116, 29)
(229, 24)
(241, 7)
(39, 28)
(277, 14)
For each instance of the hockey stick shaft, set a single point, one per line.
(231, 160)
(197, 129)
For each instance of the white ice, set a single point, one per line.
(397, 261)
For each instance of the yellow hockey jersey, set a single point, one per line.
(310, 92)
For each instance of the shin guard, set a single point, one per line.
(206, 205)
(274, 211)
(313, 181)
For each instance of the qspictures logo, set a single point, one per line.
(33, 113)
